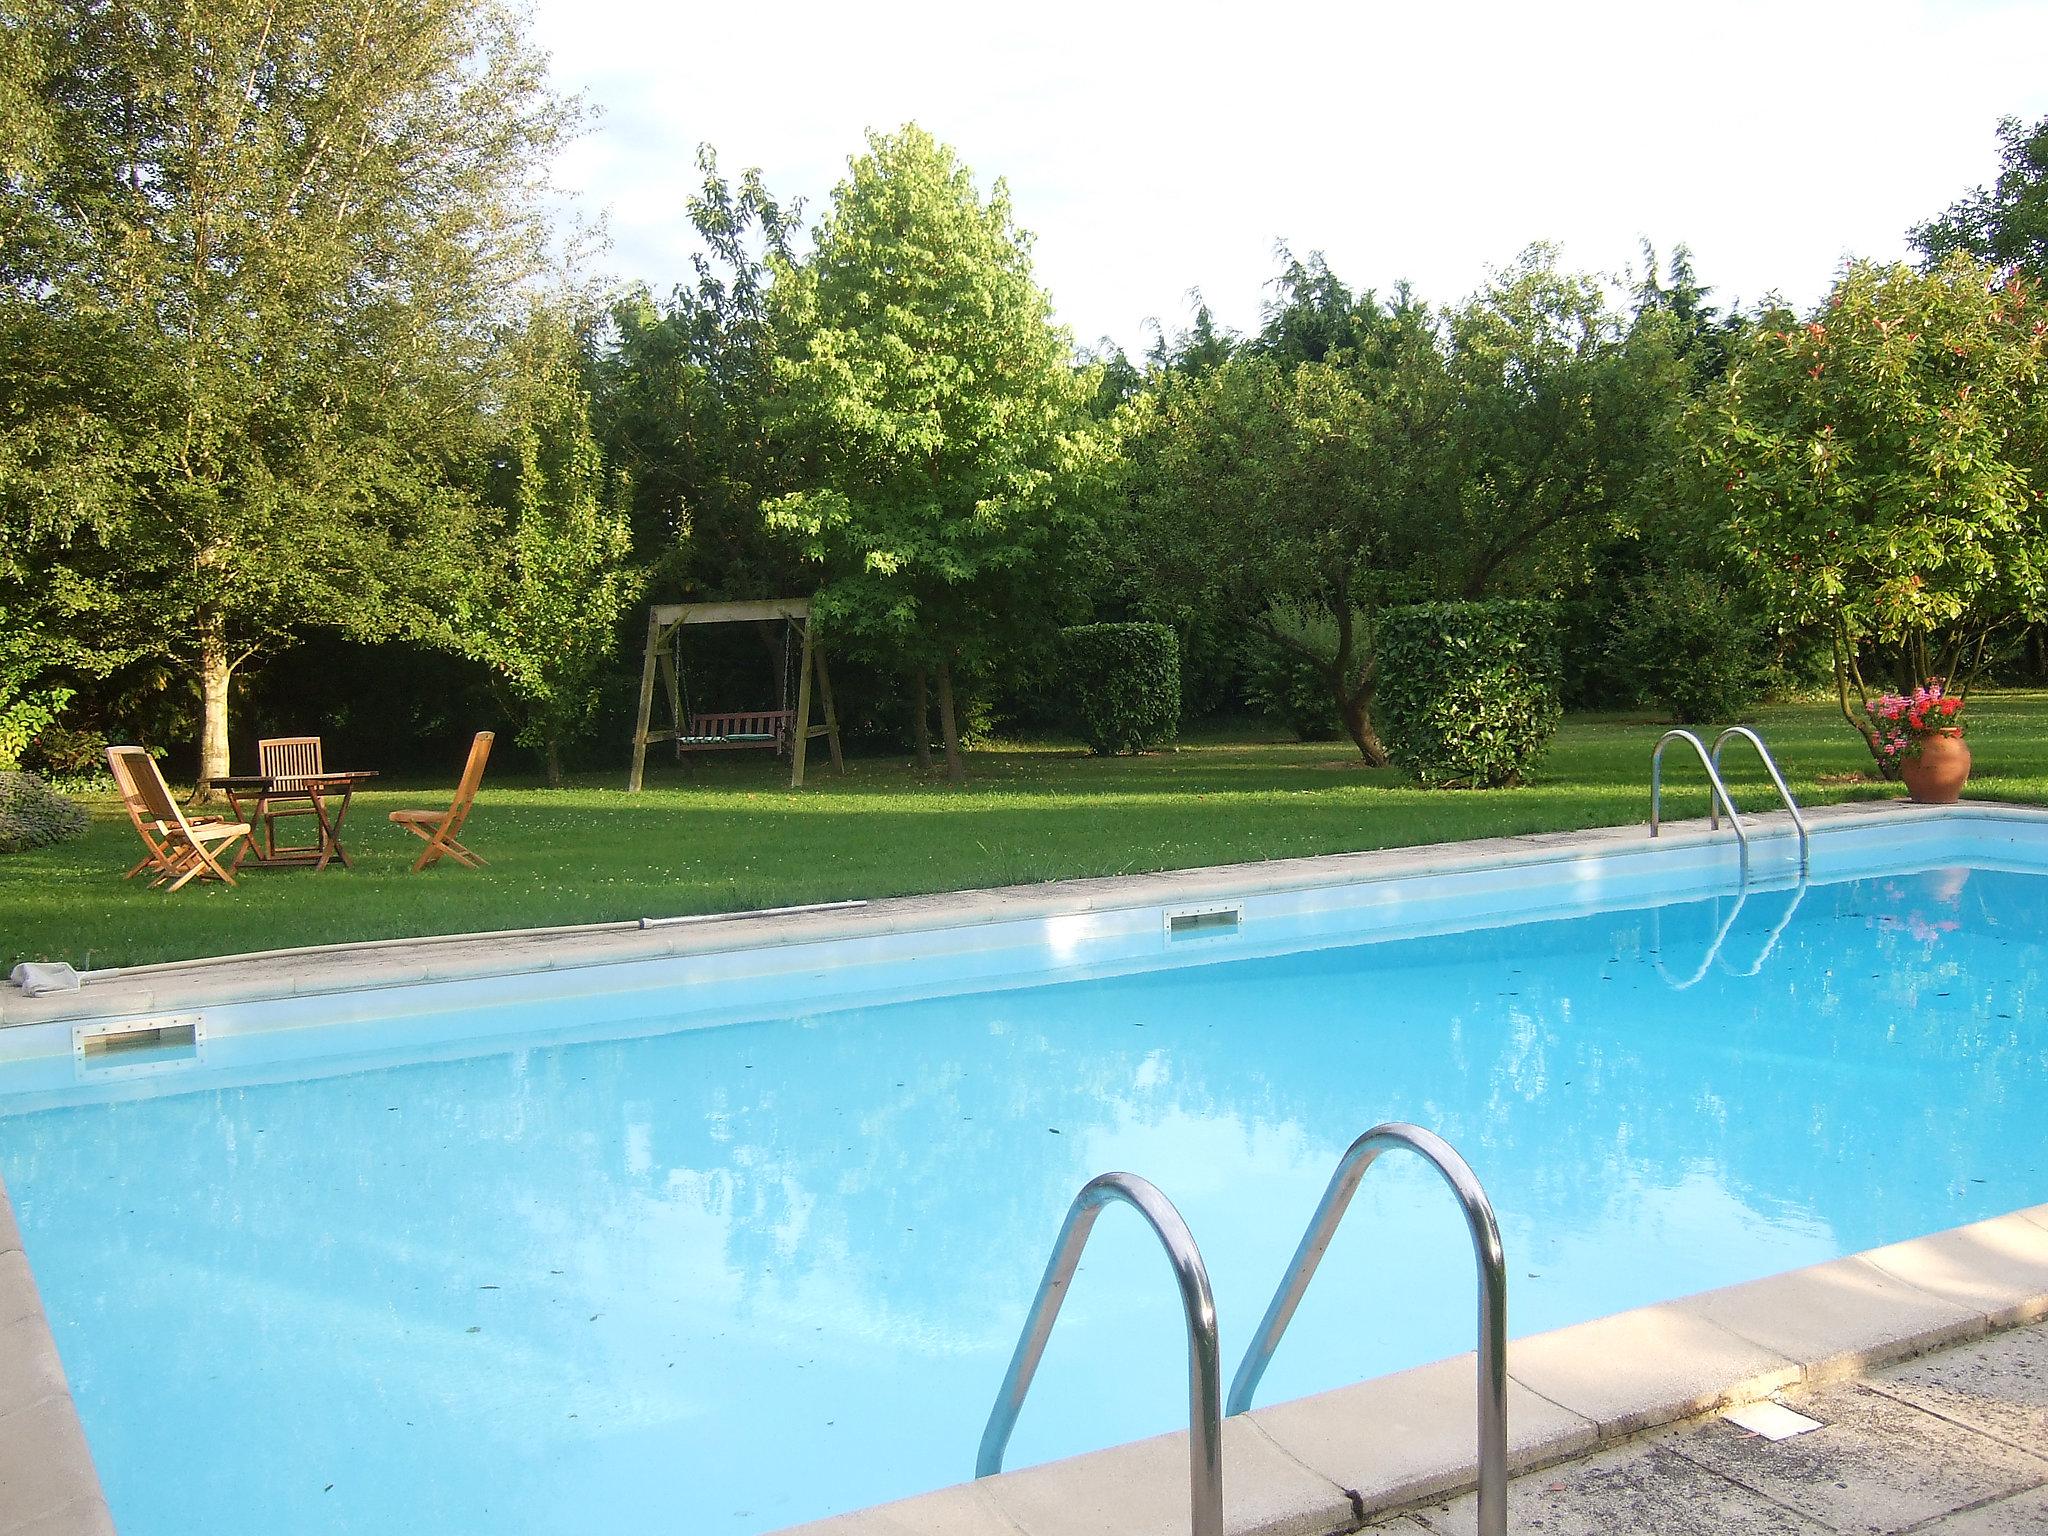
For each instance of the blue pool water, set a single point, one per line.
(722, 1280)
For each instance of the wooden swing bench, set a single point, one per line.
(737, 730)
(788, 731)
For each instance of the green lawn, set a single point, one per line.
(732, 837)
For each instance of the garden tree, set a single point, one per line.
(29, 699)
(949, 464)
(1204, 345)
(543, 612)
(1117, 379)
(1878, 468)
(1699, 332)
(682, 401)
(1313, 316)
(1262, 489)
(251, 257)
(1563, 407)
(2005, 224)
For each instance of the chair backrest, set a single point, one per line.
(472, 776)
(144, 791)
(120, 763)
(289, 757)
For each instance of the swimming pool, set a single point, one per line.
(582, 1264)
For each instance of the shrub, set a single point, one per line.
(1124, 683)
(1468, 692)
(68, 759)
(1284, 685)
(1684, 642)
(32, 814)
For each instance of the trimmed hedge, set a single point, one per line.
(1124, 682)
(1468, 692)
(33, 815)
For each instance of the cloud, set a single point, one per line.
(1157, 148)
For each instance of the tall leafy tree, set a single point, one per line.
(1878, 468)
(543, 611)
(1261, 489)
(949, 457)
(2005, 224)
(683, 397)
(253, 259)
(1563, 407)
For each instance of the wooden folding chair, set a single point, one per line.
(180, 849)
(287, 761)
(439, 827)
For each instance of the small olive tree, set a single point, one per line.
(1878, 469)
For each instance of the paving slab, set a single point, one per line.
(1639, 1369)
(1407, 1436)
(1876, 1466)
(45, 1467)
(29, 1371)
(1837, 1318)
(1636, 1488)
(85, 1517)
(1998, 1385)
(1142, 1490)
(962, 1510)
(1997, 1267)
(18, 1298)
(2024, 1514)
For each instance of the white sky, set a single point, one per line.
(1155, 148)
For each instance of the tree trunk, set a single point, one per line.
(956, 770)
(554, 768)
(1357, 712)
(921, 720)
(214, 673)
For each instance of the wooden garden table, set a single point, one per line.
(330, 794)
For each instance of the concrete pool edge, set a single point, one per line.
(48, 1483)
(1326, 1464)
(377, 965)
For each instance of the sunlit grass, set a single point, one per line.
(731, 836)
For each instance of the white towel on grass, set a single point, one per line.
(36, 977)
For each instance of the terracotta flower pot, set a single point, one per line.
(1935, 775)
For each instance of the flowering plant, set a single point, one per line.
(1900, 722)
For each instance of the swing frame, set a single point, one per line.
(732, 730)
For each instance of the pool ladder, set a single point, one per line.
(1191, 1276)
(1719, 798)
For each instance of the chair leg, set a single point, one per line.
(462, 855)
(204, 867)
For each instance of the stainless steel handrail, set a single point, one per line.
(1777, 780)
(1719, 791)
(1493, 1295)
(1205, 1394)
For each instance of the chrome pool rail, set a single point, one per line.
(1493, 1295)
(1205, 1390)
(1777, 781)
(1719, 796)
